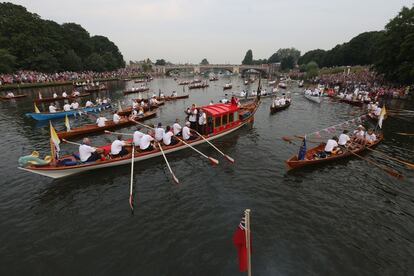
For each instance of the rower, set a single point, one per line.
(105, 101)
(242, 94)
(193, 116)
(145, 142)
(377, 111)
(64, 94)
(344, 138)
(162, 95)
(168, 138)
(66, 107)
(10, 94)
(88, 103)
(187, 135)
(75, 93)
(174, 94)
(370, 137)
(202, 121)
(177, 128)
(88, 153)
(55, 95)
(331, 146)
(118, 147)
(101, 121)
(137, 136)
(359, 135)
(282, 101)
(75, 105)
(159, 132)
(116, 118)
(52, 108)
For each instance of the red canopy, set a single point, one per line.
(220, 109)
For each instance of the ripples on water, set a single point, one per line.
(344, 218)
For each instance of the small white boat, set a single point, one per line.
(315, 99)
(282, 85)
(271, 82)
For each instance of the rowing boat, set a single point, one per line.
(41, 116)
(51, 99)
(236, 117)
(166, 98)
(315, 99)
(109, 125)
(137, 90)
(127, 111)
(294, 163)
(198, 85)
(227, 86)
(274, 109)
(95, 88)
(6, 98)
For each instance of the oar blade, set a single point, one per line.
(213, 161)
(287, 139)
(131, 203)
(175, 179)
(231, 160)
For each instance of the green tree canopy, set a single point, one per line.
(248, 58)
(7, 61)
(204, 62)
(95, 62)
(71, 61)
(160, 62)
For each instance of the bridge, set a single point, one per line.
(198, 69)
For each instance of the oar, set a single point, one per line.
(118, 133)
(69, 142)
(405, 134)
(408, 164)
(390, 171)
(212, 160)
(168, 164)
(131, 185)
(211, 144)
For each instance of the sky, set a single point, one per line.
(186, 31)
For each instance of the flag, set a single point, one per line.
(119, 106)
(67, 123)
(55, 140)
(382, 116)
(239, 241)
(302, 150)
(36, 109)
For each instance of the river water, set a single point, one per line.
(344, 218)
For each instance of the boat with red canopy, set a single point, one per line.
(222, 119)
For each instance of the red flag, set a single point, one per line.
(239, 240)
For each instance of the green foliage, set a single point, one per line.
(7, 61)
(396, 53)
(95, 62)
(204, 62)
(43, 45)
(146, 67)
(312, 69)
(248, 58)
(287, 63)
(160, 62)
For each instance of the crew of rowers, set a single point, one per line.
(357, 95)
(75, 93)
(75, 105)
(140, 88)
(281, 101)
(144, 140)
(315, 92)
(374, 109)
(359, 138)
(244, 93)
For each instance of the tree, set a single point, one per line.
(110, 61)
(71, 61)
(43, 62)
(95, 62)
(160, 62)
(312, 69)
(248, 58)
(204, 62)
(287, 63)
(7, 61)
(146, 67)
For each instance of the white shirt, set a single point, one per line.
(282, 101)
(186, 133)
(202, 120)
(137, 137)
(88, 104)
(85, 152)
(101, 121)
(343, 139)
(359, 133)
(52, 109)
(193, 116)
(145, 141)
(66, 107)
(377, 111)
(64, 95)
(370, 138)
(55, 95)
(176, 128)
(159, 133)
(75, 105)
(166, 139)
(116, 146)
(116, 118)
(330, 145)
(76, 93)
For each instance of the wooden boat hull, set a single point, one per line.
(313, 98)
(64, 171)
(136, 91)
(95, 89)
(5, 98)
(198, 87)
(110, 125)
(294, 163)
(166, 99)
(58, 115)
(354, 103)
(46, 100)
(227, 87)
(275, 109)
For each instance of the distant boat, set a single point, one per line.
(301, 83)
(228, 86)
(282, 85)
(271, 82)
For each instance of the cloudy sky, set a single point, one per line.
(220, 30)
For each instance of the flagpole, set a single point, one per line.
(249, 263)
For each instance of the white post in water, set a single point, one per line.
(249, 263)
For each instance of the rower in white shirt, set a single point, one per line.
(66, 107)
(75, 105)
(344, 138)
(359, 135)
(137, 136)
(242, 94)
(174, 94)
(282, 101)
(101, 121)
(118, 147)
(370, 136)
(177, 128)
(87, 153)
(52, 108)
(105, 101)
(145, 142)
(116, 118)
(159, 132)
(75, 93)
(55, 95)
(88, 103)
(331, 146)
(64, 94)
(168, 138)
(187, 135)
(10, 95)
